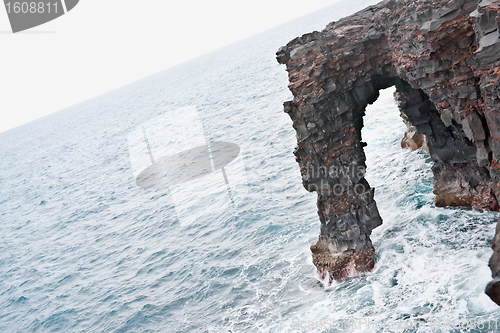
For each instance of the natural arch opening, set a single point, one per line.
(445, 88)
(346, 206)
(394, 157)
(335, 168)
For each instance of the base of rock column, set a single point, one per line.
(339, 262)
(493, 288)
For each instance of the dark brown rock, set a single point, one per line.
(443, 58)
(339, 265)
(414, 140)
(493, 288)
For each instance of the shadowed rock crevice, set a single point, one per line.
(443, 61)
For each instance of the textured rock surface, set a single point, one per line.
(493, 288)
(414, 140)
(443, 58)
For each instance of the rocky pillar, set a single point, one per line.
(443, 57)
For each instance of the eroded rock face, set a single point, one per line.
(493, 288)
(414, 140)
(443, 58)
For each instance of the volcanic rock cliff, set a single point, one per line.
(443, 57)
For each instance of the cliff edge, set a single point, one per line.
(443, 57)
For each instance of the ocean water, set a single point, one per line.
(83, 249)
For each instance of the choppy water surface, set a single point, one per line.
(85, 250)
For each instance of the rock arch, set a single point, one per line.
(430, 52)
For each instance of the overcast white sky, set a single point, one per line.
(101, 45)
